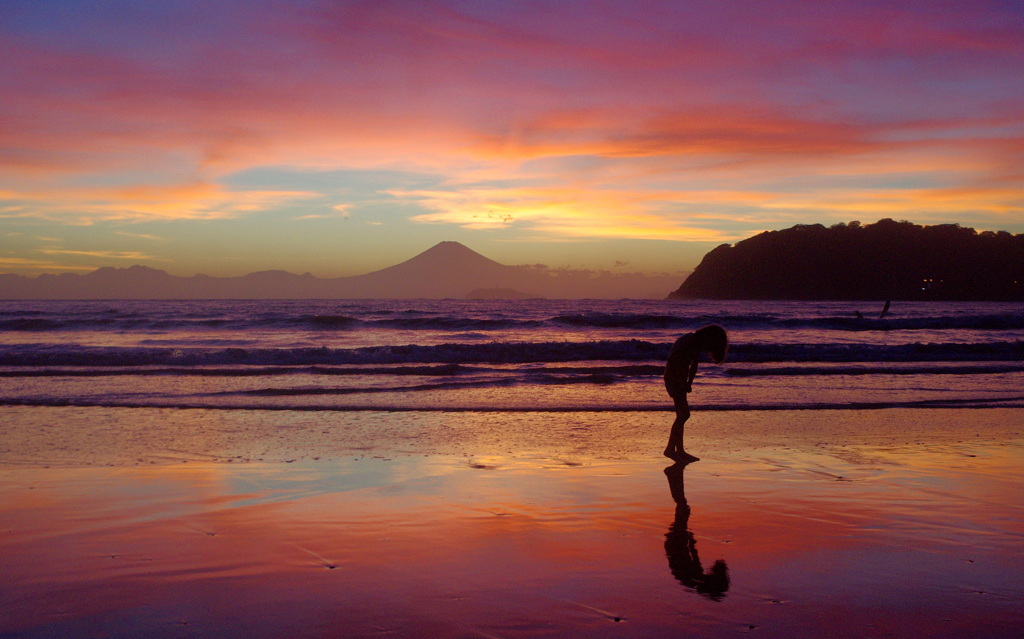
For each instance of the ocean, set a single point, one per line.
(488, 356)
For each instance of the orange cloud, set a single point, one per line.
(19, 264)
(200, 200)
(722, 132)
(558, 212)
(116, 255)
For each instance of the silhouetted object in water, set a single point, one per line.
(885, 309)
(680, 370)
(681, 547)
(884, 260)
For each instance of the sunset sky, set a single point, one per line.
(341, 137)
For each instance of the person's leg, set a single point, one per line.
(674, 449)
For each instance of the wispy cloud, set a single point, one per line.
(567, 212)
(107, 255)
(197, 201)
(140, 236)
(20, 264)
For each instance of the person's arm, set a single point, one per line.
(691, 373)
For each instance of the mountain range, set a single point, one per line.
(447, 270)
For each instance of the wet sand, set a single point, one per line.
(889, 523)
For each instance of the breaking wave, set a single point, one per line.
(24, 322)
(534, 355)
(494, 352)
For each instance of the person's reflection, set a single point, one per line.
(681, 547)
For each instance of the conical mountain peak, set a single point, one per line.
(450, 254)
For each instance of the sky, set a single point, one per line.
(337, 137)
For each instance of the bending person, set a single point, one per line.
(681, 546)
(680, 369)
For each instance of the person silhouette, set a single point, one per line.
(680, 369)
(681, 546)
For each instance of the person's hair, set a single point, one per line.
(715, 582)
(714, 338)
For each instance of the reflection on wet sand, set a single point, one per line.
(681, 546)
(536, 546)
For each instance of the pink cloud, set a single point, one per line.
(480, 93)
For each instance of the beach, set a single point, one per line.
(474, 468)
(194, 523)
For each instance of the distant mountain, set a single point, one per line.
(885, 260)
(447, 270)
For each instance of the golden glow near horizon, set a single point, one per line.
(336, 138)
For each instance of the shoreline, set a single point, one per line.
(94, 436)
(962, 403)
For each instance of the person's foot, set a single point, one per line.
(681, 456)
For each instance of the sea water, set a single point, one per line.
(532, 355)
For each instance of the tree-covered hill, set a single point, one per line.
(885, 260)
